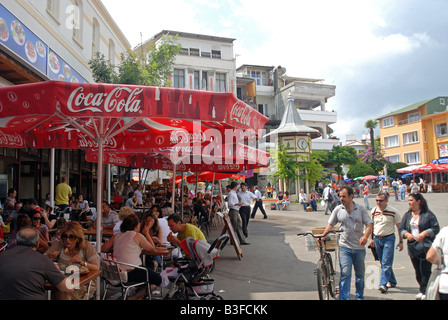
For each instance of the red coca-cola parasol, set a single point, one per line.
(60, 115)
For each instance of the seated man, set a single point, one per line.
(303, 199)
(280, 200)
(183, 230)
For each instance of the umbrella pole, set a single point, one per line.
(182, 195)
(173, 197)
(196, 187)
(52, 157)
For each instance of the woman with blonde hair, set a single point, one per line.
(73, 249)
(123, 213)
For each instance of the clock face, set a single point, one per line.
(302, 144)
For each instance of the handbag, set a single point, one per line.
(417, 249)
(432, 289)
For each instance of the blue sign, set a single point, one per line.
(19, 39)
(440, 161)
(60, 70)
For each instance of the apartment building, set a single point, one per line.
(52, 40)
(416, 134)
(267, 88)
(204, 63)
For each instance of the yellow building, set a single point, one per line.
(416, 134)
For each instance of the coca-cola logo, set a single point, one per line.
(11, 139)
(86, 142)
(114, 159)
(241, 113)
(184, 137)
(119, 99)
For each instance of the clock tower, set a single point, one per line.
(293, 133)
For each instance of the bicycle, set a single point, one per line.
(325, 273)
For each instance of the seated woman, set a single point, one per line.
(80, 209)
(313, 198)
(127, 246)
(286, 200)
(151, 221)
(74, 249)
(44, 234)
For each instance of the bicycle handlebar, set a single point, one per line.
(318, 236)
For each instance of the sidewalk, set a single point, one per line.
(276, 266)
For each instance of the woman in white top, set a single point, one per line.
(441, 245)
(127, 246)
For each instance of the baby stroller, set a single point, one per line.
(191, 280)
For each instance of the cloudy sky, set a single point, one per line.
(380, 54)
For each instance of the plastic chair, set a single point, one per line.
(112, 275)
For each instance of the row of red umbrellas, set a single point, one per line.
(131, 125)
(425, 168)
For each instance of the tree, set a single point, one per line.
(393, 167)
(371, 125)
(360, 169)
(285, 165)
(374, 158)
(312, 168)
(340, 155)
(148, 68)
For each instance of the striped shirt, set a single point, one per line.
(384, 222)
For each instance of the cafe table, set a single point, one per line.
(84, 279)
(90, 233)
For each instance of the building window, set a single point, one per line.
(205, 54)
(216, 54)
(194, 52)
(220, 82)
(410, 137)
(413, 117)
(204, 82)
(391, 141)
(394, 158)
(412, 157)
(53, 8)
(261, 108)
(259, 77)
(441, 130)
(95, 37)
(179, 78)
(197, 80)
(77, 14)
(388, 122)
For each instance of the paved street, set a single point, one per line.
(276, 266)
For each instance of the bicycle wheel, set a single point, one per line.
(330, 276)
(322, 280)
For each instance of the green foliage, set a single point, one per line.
(340, 155)
(149, 68)
(371, 125)
(360, 169)
(312, 168)
(285, 165)
(393, 167)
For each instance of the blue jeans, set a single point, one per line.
(366, 202)
(385, 249)
(402, 195)
(347, 259)
(304, 205)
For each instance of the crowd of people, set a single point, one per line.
(48, 242)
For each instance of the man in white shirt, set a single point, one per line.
(302, 199)
(245, 197)
(258, 204)
(328, 197)
(234, 215)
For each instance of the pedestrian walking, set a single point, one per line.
(352, 217)
(402, 190)
(328, 198)
(234, 214)
(419, 227)
(258, 204)
(385, 218)
(245, 197)
(366, 192)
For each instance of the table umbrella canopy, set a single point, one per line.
(408, 169)
(209, 176)
(60, 115)
(429, 168)
(370, 177)
(55, 114)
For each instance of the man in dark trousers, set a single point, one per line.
(258, 204)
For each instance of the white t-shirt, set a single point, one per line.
(441, 242)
